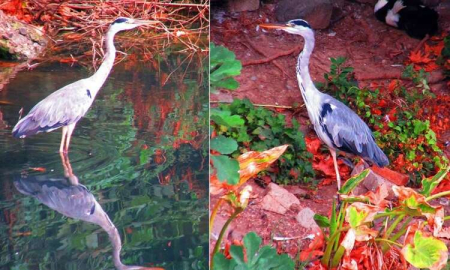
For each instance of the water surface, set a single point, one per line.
(141, 151)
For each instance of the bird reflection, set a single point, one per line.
(68, 197)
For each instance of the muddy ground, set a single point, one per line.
(376, 51)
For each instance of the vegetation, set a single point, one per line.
(251, 257)
(405, 134)
(366, 229)
(223, 66)
(243, 127)
(250, 164)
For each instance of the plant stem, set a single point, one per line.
(337, 257)
(402, 229)
(388, 241)
(327, 254)
(437, 195)
(394, 224)
(214, 214)
(237, 211)
(385, 214)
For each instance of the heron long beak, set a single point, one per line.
(275, 26)
(145, 22)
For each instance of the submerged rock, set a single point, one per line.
(18, 40)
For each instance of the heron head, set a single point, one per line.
(123, 23)
(297, 27)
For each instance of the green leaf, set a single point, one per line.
(223, 66)
(224, 145)
(322, 221)
(425, 252)
(237, 252)
(251, 243)
(227, 169)
(428, 184)
(222, 263)
(265, 258)
(225, 118)
(228, 83)
(356, 217)
(353, 182)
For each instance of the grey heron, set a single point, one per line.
(335, 124)
(66, 106)
(68, 197)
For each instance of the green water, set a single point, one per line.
(141, 151)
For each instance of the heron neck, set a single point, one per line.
(303, 75)
(102, 73)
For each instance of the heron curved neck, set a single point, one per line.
(102, 73)
(305, 81)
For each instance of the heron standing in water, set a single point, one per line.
(335, 124)
(65, 107)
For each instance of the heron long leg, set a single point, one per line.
(336, 168)
(70, 127)
(63, 139)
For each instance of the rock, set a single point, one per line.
(297, 191)
(394, 177)
(16, 42)
(374, 180)
(317, 13)
(23, 31)
(370, 2)
(278, 200)
(306, 218)
(242, 5)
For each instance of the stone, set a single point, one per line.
(317, 13)
(374, 180)
(279, 200)
(23, 31)
(306, 218)
(242, 5)
(16, 39)
(370, 2)
(297, 191)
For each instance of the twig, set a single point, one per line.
(265, 54)
(261, 105)
(271, 58)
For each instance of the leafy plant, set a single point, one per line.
(250, 164)
(258, 129)
(223, 67)
(251, 257)
(370, 226)
(405, 135)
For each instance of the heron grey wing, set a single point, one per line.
(66, 105)
(349, 133)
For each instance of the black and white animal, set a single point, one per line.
(336, 125)
(408, 15)
(66, 106)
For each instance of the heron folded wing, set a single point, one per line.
(348, 133)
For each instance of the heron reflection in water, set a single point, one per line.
(66, 196)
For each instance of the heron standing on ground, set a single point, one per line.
(65, 107)
(335, 124)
